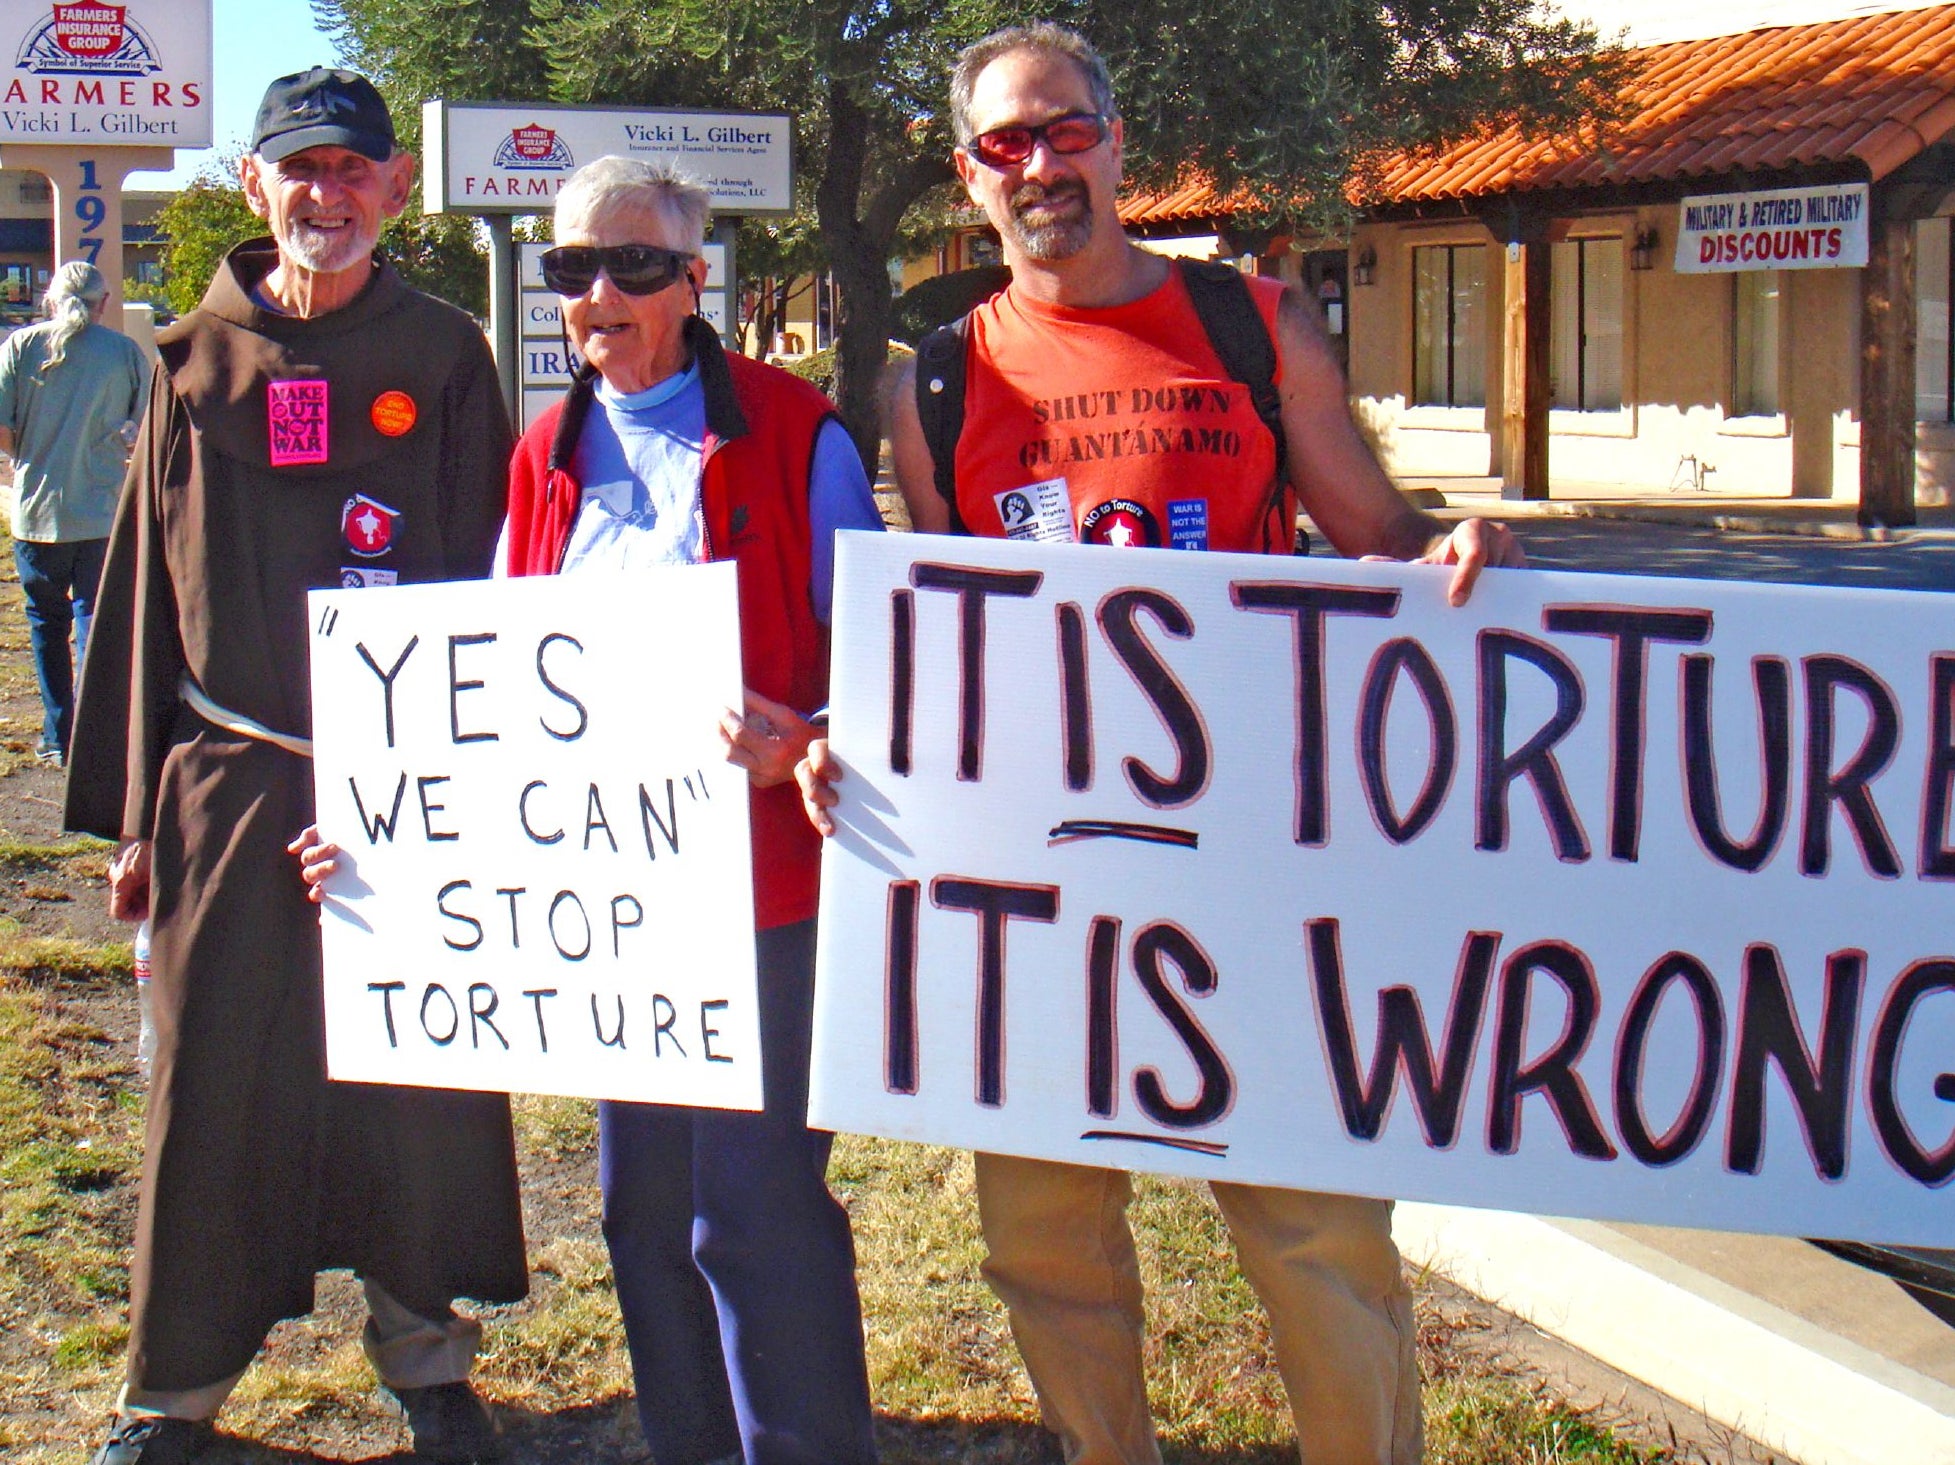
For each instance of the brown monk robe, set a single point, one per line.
(279, 455)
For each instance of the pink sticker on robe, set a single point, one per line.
(298, 419)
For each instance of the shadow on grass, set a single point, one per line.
(607, 1434)
(590, 1434)
(1005, 1442)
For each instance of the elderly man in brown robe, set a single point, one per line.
(315, 423)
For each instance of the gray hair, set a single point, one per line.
(1047, 37)
(72, 295)
(613, 184)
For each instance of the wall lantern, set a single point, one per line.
(1364, 269)
(1642, 253)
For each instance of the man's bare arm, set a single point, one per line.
(909, 453)
(1342, 487)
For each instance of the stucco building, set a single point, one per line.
(1521, 307)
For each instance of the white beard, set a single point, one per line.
(327, 251)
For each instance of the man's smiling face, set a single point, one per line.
(325, 205)
(1050, 206)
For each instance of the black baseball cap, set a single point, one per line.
(322, 108)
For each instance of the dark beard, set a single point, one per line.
(1058, 238)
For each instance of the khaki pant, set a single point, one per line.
(407, 1350)
(1062, 1258)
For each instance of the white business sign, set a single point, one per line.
(1821, 226)
(131, 75)
(512, 158)
(546, 883)
(547, 361)
(1600, 896)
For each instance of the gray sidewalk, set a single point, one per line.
(1743, 513)
(1818, 1361)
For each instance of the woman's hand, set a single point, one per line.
(317, 860)
(767, 741)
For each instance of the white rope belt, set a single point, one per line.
(236, 722)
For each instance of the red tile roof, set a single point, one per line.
(1193, 202)
(1874, 89)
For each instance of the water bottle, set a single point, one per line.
(146, 1043)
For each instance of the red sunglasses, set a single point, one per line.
(1007, 147)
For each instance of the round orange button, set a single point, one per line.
(394, 413)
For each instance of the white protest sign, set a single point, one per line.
(1601, 896)
(1818, 226)
(546, 883)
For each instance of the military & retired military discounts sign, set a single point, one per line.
(546, 883)
(512, 158)
(133, 75)
(1600, 896)
(1817, 226)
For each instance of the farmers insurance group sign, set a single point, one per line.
(135, 75)
(512, 158)
(1817, 228)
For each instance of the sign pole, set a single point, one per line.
(87, 184)
(724, 233)
(505, 301)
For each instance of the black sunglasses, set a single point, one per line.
(1007, 147)
(636, 269)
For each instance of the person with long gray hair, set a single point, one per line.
(71, 390)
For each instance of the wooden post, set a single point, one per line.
(1887, 470)
(1524, 356)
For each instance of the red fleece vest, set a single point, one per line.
(759, 451)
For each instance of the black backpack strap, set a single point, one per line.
(940, 367)
(1236, 331)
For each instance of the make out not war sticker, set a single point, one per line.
(298, 421)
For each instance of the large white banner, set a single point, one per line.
(1820, 226)
(130, 75)
(547, 883)
(1599, 896)
(512, 157)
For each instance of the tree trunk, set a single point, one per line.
(856, 255)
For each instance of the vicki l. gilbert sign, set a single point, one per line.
(546, 883)
(1599, 896)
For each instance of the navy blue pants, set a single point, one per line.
(57, 582)
(735, 1268)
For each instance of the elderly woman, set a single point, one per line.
(735, 1268)
(726, 1241)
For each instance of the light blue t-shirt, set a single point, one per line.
(71, 428)
(638, 461)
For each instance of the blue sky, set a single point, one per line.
(255, 41)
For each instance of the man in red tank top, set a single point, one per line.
(1096, 411)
